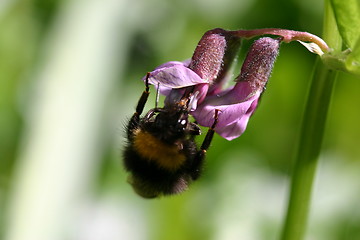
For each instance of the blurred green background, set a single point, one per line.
(70, 78)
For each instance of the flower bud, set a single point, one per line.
(259, 62)
(208, 56)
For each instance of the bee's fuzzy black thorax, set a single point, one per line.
(161, 155)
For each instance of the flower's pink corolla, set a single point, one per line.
(173, 75)
(236, 107)
(239, 103)
(236, 104)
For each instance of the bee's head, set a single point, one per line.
(169, 125)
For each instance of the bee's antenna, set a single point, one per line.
(157, 95)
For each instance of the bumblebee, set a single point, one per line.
(161, 154)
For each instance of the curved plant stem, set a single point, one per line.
(311, 136)
(287, 35)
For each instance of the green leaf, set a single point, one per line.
(347, 15)
(353, 60)
(346, 61)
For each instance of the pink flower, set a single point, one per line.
(239, 102)
(205, 75)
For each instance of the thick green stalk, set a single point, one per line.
(308, 152)
(311, 136)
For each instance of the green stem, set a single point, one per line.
(288, 35)
(311, 136)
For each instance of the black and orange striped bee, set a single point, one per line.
(161, 154)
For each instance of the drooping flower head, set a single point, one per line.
(239, 102)
(205, 75)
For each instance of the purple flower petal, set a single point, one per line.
(236, 107)
(174, 75)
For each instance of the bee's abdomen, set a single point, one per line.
(149, 180)
(166, 156)
(158, 168)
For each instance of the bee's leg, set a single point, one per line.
(194, 130)
(209, 135)
(200, 156)
(134, 121)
